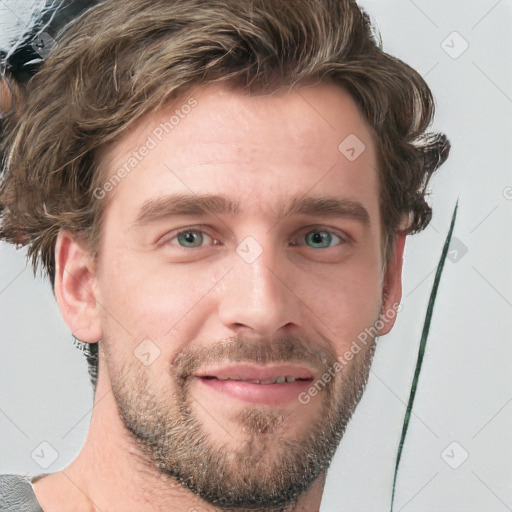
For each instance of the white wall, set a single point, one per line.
(465, 391)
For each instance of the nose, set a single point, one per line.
(257, 297)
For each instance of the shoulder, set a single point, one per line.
(17, 494)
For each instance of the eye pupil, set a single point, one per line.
(189, 237)
(320, 237)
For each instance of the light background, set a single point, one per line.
(465, 390)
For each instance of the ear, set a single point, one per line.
(75, 288)
(392, 284)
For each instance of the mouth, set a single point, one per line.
(278, 380)
(270, 385)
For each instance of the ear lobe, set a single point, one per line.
(75, 288)
(392, 286)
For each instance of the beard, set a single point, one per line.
(268, 469)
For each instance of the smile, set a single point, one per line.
(278, 380)
(269, 385)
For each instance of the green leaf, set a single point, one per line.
(421, 351)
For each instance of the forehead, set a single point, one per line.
(262, 145)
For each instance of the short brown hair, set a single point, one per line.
(125, 58)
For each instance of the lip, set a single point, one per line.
(252, 372)
(243, 382)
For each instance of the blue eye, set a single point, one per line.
(195, 238)
(190, 238)
(321, 239)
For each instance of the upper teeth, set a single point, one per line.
(278, 380)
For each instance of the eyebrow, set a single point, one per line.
(201, 205)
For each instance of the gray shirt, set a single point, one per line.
(17, 494)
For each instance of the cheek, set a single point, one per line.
(148, 297)
(345, 302)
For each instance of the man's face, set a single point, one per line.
(203, 311)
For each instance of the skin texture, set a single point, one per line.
(296, 302)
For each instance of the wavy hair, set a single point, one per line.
(125, 58)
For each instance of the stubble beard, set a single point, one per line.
(267, 470)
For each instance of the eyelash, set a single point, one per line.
(344, 239)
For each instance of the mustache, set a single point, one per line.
(285, 349)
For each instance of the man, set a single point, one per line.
(219, 193)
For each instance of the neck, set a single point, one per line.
(110, 473)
